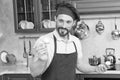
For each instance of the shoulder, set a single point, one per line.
(46, 37)
(75, 39)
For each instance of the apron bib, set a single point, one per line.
(62, 67)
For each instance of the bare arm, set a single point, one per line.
(86, 68)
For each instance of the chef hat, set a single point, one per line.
(65, 10)
(68, 9)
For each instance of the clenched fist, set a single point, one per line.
(102, 68)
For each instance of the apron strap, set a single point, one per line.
(55, 42)
(75, 46)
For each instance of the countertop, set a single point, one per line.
(16, 69)
(107, 72)
(22, 69)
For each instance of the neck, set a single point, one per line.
(66, 38)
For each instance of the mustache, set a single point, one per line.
(62, 31)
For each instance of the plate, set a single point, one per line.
(3, 55)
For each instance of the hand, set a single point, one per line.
(102, 68)
(41, 51)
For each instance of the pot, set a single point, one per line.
(11, 59)
(7, 58)
(115, 33)
(82, 30)
(99, 27)
(94, 61)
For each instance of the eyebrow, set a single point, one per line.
(65, 20)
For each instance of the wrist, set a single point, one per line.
(96, 69)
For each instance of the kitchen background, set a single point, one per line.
(95, 44)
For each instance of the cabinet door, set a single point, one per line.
(26, 16)
(36, 78)
(1, 77)
(17, 77)
(29, 15)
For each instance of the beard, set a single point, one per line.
(62, 31)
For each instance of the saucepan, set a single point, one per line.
(82, 30)
(7, 58)
(99, 27)
(115, 33)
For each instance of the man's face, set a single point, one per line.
(64, 24)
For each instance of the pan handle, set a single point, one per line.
(110, 49)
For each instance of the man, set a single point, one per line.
(59, 53)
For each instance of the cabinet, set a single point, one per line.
(18, 77)
(98, 77)
(1, 77)
(26, 11)
(29, 14)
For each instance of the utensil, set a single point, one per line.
(109, 51)
(25, 52)
(30, 54)
(82, 31)
(115, 33)
(99, 27)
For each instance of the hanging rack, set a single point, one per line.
(99, 18)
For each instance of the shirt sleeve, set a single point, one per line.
(79, 50)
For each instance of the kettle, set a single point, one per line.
(110, 57)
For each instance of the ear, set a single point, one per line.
(74, 22)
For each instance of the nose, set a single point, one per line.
(64, 25)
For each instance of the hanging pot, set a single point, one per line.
(99, 27)
(82, 31)
(115, 33)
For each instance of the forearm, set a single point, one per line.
(36, 67)
(86, 68)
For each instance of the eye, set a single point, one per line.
(60, 20)
(69, 22)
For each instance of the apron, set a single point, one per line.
(62, 67)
